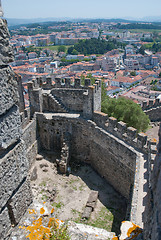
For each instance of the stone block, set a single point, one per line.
(5, 223)
(93, 197)
(20, 202)
(8, 89)
(87, 212)
(13, 169)
(10, 128)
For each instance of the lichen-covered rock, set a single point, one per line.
(129, 231)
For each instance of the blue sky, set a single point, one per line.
(81, 8)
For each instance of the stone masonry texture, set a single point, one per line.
(17, 205)
(8, 91)
(5, 223)
(13, 169)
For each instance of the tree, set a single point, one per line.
(74, 52)
(127, 111)
(133, 73)
(160, 74)
(70, 49)
(61, 48)
(142, 50)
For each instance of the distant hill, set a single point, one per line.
(15, 22)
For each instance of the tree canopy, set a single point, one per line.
(127, 111)
(61, 48)
(92, 46)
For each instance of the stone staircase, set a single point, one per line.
(56, 105)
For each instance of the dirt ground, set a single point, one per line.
(69, 194)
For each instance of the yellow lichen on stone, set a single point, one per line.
(129, 230)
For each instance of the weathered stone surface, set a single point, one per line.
(10, 128)
(6, 52)
(5, 223)
(8, 89)
(79, 231)
(13, 169)
(20, 202)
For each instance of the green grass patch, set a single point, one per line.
(104, 219)
(58, 205)
(53, 48)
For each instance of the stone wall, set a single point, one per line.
(70, 98)
(14, 164)
(30, 140)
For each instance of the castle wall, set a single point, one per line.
(14, 164)
(154, 114)
(91, 144)
(152, 108)
(152, 214)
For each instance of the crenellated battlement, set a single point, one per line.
(152, 103)
(152, 108)
(127, 134)
(67, 82)
(64, 96)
